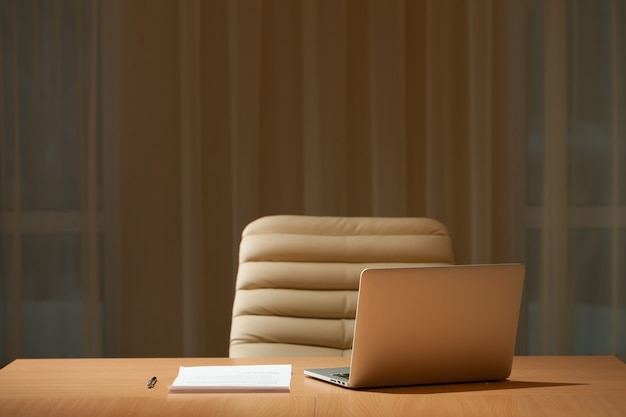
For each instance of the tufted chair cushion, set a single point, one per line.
(298, 278)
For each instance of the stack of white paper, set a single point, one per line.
(248, 378)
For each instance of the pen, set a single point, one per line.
(152, 382)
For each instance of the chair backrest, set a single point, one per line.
(298, 278)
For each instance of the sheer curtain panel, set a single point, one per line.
(51, 201)
(138, 138)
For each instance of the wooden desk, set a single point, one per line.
(538, 386)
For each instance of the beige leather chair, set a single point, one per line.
(298, 278)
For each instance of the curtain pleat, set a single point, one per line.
(554, 271)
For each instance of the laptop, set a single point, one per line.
(432, 325)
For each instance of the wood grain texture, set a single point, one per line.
(538, 386)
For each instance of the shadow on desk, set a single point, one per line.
(469, 387)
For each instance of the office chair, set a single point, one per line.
(298, 277)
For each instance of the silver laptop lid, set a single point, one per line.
(427, 325)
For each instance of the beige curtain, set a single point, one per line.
(340, 108)
(212, 113)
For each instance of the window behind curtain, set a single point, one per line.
(50, 195)
(595, 170)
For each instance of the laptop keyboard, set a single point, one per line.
(342, 375)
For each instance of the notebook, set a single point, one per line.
(432, 325)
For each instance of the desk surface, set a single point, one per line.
(538, 386)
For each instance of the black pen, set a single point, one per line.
(152, 382)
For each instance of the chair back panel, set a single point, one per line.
(298, 278)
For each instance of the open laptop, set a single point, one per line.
(432, 325)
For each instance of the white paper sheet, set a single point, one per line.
(248, 378)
